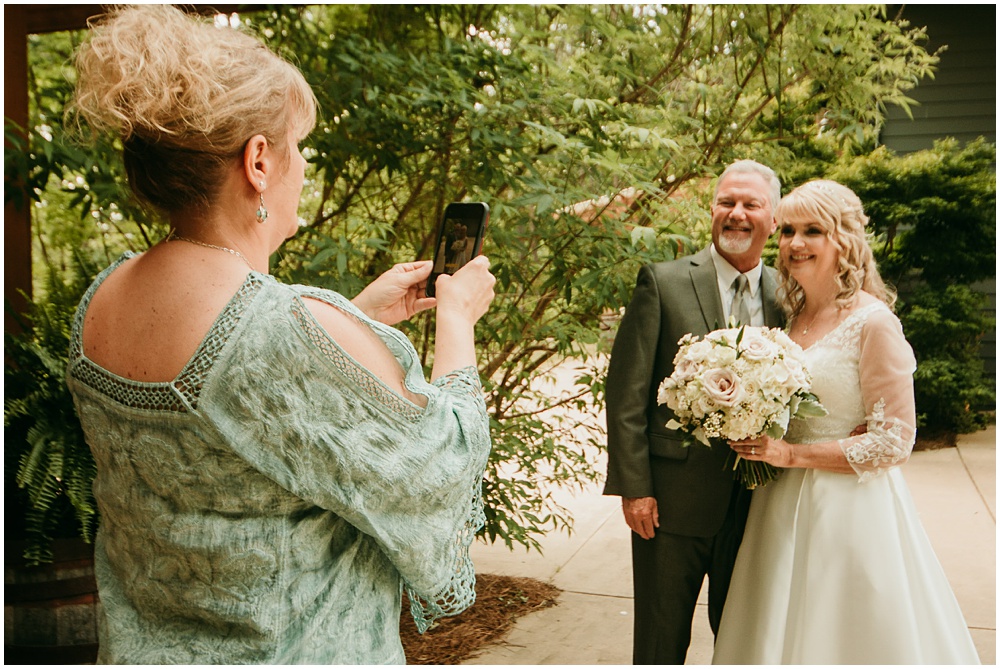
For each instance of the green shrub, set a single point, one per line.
(935, 212)
(944, 328)
(48, 467)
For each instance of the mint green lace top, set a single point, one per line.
(270, 503)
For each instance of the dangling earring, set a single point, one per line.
(262, 210)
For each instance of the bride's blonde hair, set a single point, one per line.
(184, 96)
(838, 210)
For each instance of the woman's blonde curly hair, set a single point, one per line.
(839, 212)
(184, 96)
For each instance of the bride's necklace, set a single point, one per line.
(234, 252)
(805, 328)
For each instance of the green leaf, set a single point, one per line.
(810, 409)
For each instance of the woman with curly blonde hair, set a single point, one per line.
(273, 469)
(839, 212)
(835, 567)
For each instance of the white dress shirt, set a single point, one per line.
(726, 274)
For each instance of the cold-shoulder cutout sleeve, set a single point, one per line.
(886, 368)
(307, 415)
(360, 343)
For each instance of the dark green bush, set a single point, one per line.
(935, 208)
(935, 213)
(944, 327)
(48, 467)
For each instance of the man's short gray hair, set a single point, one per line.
(753, 167)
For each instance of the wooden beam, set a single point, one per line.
(52, 18)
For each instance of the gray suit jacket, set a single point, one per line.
(692, 485)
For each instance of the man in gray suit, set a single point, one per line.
(683, 504)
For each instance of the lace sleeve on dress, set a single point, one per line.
(460, 593)
(465, 380)
(886, 368)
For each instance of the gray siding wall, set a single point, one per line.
(961, 100)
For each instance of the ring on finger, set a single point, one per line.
(753, 450)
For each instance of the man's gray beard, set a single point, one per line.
(737, 246)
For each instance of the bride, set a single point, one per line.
(835, 567)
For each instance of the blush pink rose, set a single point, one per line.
(723, 387)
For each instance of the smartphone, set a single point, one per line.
(459, 238)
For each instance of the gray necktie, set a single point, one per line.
(740, 308)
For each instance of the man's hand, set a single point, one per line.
(641, 515)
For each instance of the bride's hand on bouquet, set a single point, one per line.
(777, 452)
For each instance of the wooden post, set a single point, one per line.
(17, 209)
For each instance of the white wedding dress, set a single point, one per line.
(836, 568)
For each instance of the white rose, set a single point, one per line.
(696, 352)
(785, 342)
(669, 392)
(797, 373)
(721, 356)
(702, 405)
(685, 369)
(723, 387)
(755, 347)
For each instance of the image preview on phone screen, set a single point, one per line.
(459, 238)
(457, 244)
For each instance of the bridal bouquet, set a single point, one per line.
(739, 383)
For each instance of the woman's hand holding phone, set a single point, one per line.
(397, 294)
(467, 293)
(462, 299)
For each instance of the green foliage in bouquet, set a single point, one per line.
(936, 211)
(48, 467)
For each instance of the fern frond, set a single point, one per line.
(49, 469)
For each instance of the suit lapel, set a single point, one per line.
(706, 288)
(774, 316)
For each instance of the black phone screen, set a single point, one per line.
(459, 238)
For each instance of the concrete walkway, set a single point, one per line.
(955, 493)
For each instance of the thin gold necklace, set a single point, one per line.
(805, 328)
(234, 252)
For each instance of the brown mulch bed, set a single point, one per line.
(500, 600)
(931, 441)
